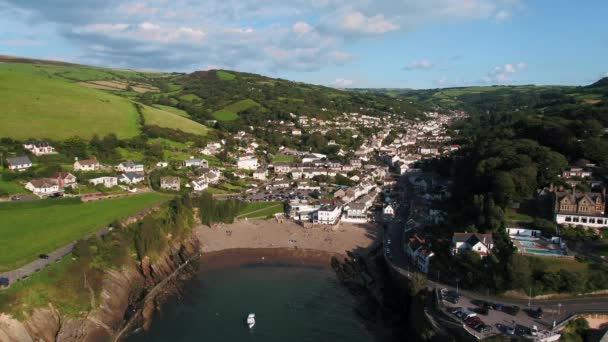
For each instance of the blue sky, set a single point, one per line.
(341, 43)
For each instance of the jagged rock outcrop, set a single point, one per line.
(133, 294)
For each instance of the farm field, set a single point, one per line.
(120, 85)
(31, 228)
(225, 76)
(36, 105)
(162, 118)
(230, 113)
(173, 110)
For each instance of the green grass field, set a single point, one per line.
(225, 76)
(130, 154)
(230, 113)
(50, 284)
(283, 159)
(161, 118)
(36, 104)
(190, 97)
(31, 228)
(174, 110)
(556, 264)
(261, 209)
(10, 188)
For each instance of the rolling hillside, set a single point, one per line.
(169, 119)
(55, 100)
(242, 98)
(36, 104)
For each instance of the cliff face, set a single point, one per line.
(130, 297)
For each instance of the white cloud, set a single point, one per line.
(183, 34)
(502, 74)
(357, 22)
(423, 64)
(440, 82)
(341, 82)
(301, 27)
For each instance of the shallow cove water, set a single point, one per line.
(291, 303)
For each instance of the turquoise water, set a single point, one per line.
(527, 243)
(543, 251)
(290, 303)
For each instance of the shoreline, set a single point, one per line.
(273, 234)
(266, 257)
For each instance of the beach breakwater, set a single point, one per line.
(129, 298)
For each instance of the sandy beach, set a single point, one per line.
(248, 234)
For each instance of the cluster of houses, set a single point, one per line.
(126, 174)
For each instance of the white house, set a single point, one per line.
(130, 166)
(87, 165)
(193, 162)
(170, 183)
(260, 174)
(247, 163)
(329, 214)
(481, 244)
(19, 163)
(355, 212)
(199, 184)
(108, 182)
(65, 180)
(43, 186)
(389, 211)
(39, 148)
(131, 177)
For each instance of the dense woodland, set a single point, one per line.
(516, 143)
(271, 98)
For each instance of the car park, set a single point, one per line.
(484, 328)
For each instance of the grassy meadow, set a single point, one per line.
(163, 118)
(225, 76)
(31, 228)
(36, 104)
(260, 209)
(230, 113)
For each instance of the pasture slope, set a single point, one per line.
(39, 104)
(31, 228)
(167, 119)
(230, 113)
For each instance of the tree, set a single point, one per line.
(521, 272)
(417, 283)
(504, 189)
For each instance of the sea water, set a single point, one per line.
(290, 304)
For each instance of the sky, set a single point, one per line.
(339, 43)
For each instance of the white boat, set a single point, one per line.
(251, 320)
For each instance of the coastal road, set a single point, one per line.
(38, 264)
(554, 309)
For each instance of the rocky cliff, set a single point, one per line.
(129, 298)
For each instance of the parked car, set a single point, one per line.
(43, 256)
(484, 328)
(455, 310)
(509, 330)
(538, 313)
